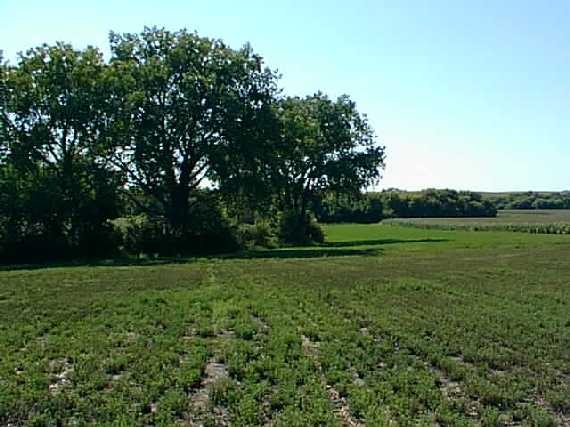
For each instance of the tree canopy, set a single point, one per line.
(58, 184)
(192, 109)
(325, 146)
(172, 126)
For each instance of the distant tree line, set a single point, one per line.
(364, 208)
(430, 203)
(433, 203)
(177, 144)
(531, 200)
(372, 207)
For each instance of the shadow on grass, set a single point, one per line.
(332, 249)
(309, 252)
(102, 262)
(328, 249)
(379, 242)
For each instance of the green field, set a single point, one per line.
(383, 325)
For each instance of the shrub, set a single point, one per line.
(33, 248)
(260, 234)
(31, 243)
(300, 229)
(134, 230)
(207, 232)
(314, 232)
(97, 242)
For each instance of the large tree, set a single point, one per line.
(326, 146)
(188, 110)
(4, 131)
(53, 129)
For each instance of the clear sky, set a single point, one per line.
(464, 94)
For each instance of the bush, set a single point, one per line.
(132, 230)
(208, 232)
(44, 218)
(98, 242)
(27, 242)
(300, 229)
(314, 232)
(33, 248)
(260, 234)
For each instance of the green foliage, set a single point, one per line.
(530, 200)
(58, 191)
(326, 146)
(260, 234)
(84, 141)
(191, 108)
(372, 207)
(40, 221)
(364, 208)
(210, 232)
(300, 229)
(433, 203)
(133, 232)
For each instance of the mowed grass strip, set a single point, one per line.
(381, 325)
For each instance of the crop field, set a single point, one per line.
(531, 216)
(382, 325)
(554, 221)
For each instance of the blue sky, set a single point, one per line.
(464, 94)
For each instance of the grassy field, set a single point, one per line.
(383, 325)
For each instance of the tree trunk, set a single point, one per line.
(179, 217)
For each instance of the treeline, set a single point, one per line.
(364, 208)
(177, 144)
(531, 200)
(433, 203)
(430, 203)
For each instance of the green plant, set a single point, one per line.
(261, 234)
(300, 230)
(445, 326)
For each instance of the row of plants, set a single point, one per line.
(551, 228)
(465, 338)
